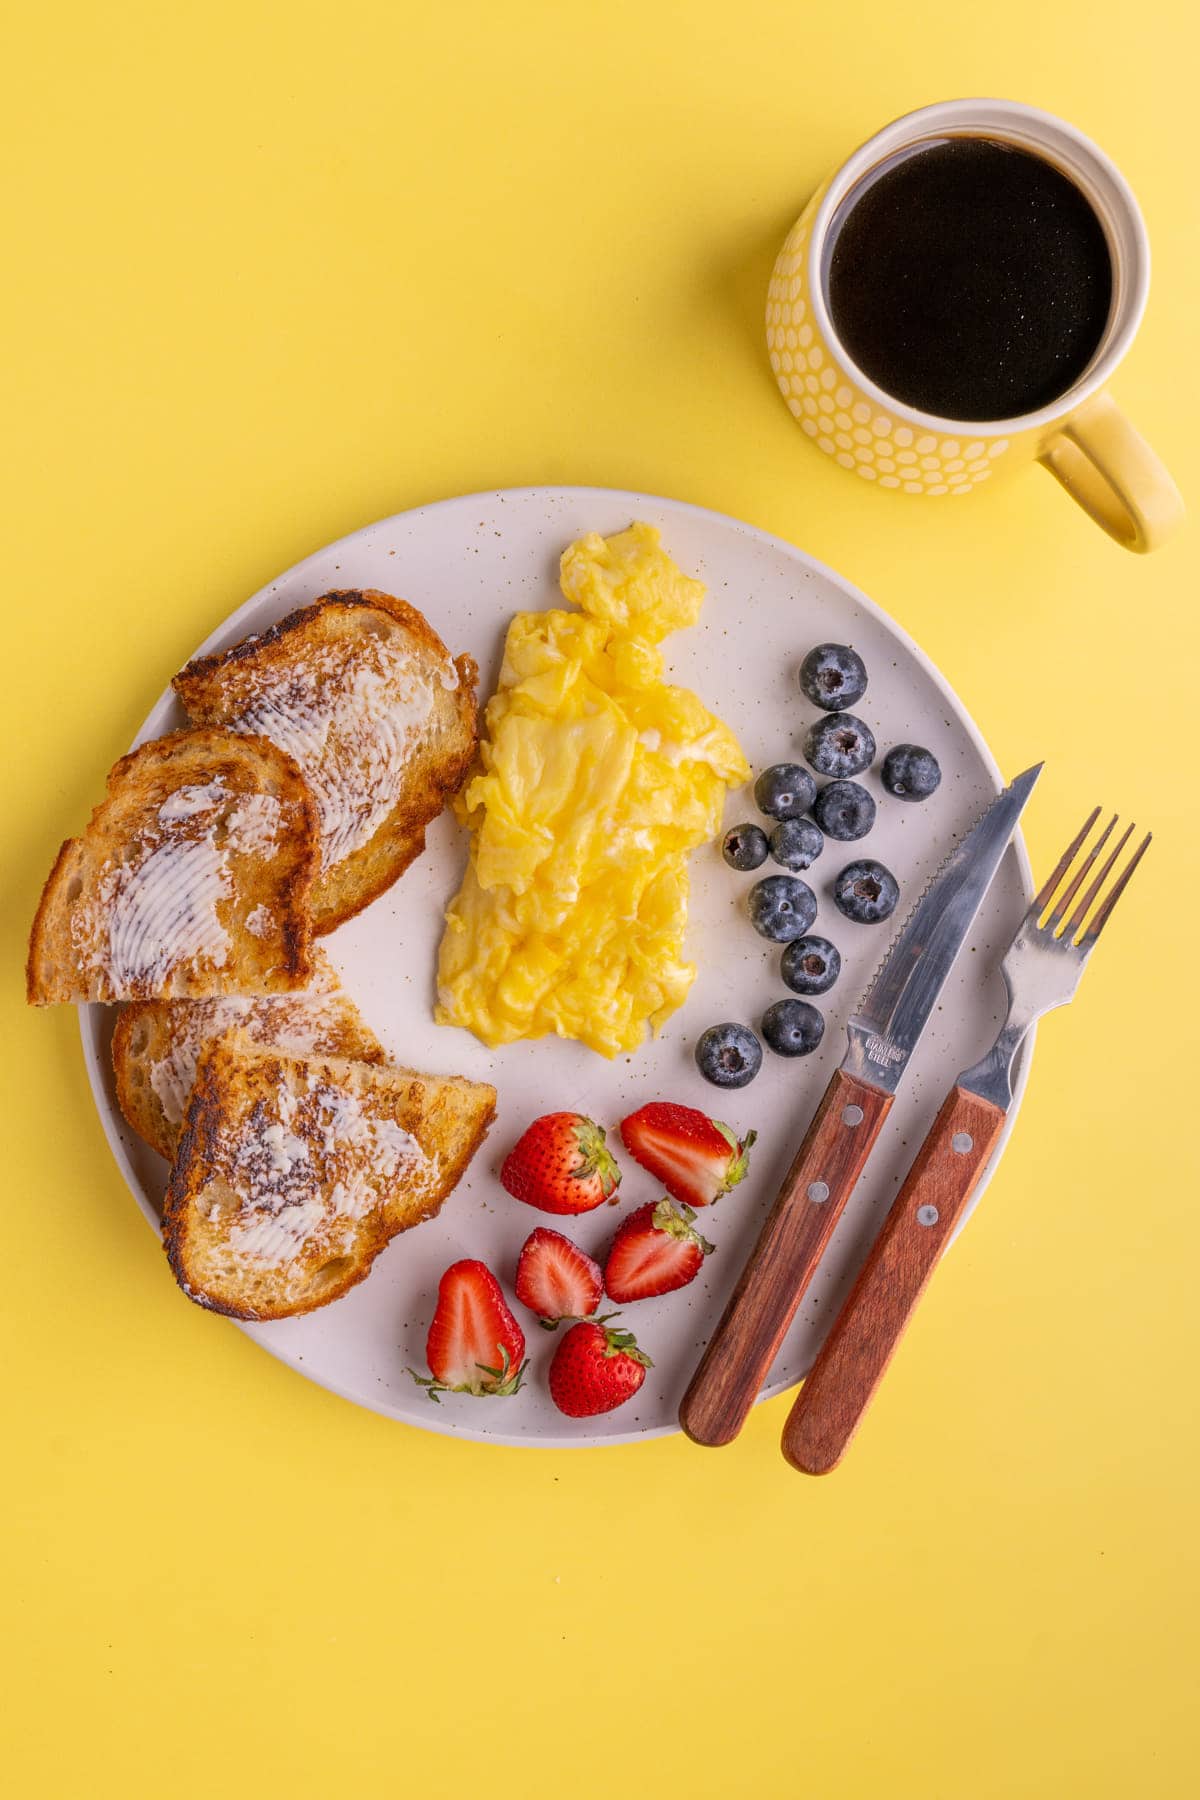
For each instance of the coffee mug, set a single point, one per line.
(1081, 437)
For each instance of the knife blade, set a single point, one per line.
(886, 1026)
(883, 1033)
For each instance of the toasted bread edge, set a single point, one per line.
(37, 987)
(143, 1114)
(200, 668)
(297, 928)
(202, 1122)
(142, 1119)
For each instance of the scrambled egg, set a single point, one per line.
(597, 779)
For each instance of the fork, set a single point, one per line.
(1042, 970)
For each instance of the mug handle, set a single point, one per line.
(1112, 472)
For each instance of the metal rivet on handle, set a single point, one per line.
(962, 1141)
(852, 1115)
(818, 1191)
(927, 1215)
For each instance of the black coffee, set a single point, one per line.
(971, 280)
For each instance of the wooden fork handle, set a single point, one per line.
(782, 1263)
(854, 1358)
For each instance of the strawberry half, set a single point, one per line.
(696, 1158)
(561, 1165)
(595, 1369)
(475, 1346)
(655, 1251)
(556, 1280)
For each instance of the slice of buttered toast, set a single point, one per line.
(294, 1172)
(191, 879)
(381, 719)
(156, 1044)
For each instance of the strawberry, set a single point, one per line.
(556, 1280)
(561, 1165)
(655, 1251)
(696, 1158)
(475, 1346)
(595, 1368)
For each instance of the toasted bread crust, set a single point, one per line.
(213, 688)
(160, 1040)
(448, 1116)
(37, 991)
(137, 785)
(219, 662)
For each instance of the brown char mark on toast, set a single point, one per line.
(347, 599)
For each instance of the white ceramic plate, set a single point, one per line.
(469, 564)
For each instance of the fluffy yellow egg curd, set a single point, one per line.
(596, 779)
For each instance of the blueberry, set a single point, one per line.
(866, 892)
(810, 965)
(844, 810)
(782, 908)
(745, 847)
(784, 791)
(833, 676)
(910, 773)
(840, 745)
(796, 843)
(792, 1027)
(728, 1055)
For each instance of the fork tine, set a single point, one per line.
(1101, 919)
(1043, 898)
(1077, 917)
(1064, 900)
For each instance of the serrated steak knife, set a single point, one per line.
(883, 1032)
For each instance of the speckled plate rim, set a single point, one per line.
(636, 503)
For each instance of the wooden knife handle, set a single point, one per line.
(790, 1245)
(852, 1362)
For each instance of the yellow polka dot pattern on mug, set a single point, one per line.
(875, 443)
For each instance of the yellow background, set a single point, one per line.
(273, 271)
